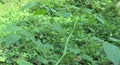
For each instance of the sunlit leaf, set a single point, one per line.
(2, 59)
(40, 12)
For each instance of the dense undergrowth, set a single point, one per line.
(59, 32)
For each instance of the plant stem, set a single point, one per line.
(66, 45)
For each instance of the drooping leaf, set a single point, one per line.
(12, 38)
(23, 62)
(112, 52)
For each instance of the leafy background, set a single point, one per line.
(59, 32)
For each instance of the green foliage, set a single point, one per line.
(42, 32)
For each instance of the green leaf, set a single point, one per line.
(100, 19)
(74, 50)
(57, 27)
(86, 57)
(40, 12)
(112, 52)
(29, 5)
(11, 28)
(12, 38)
(27, 34)
(42, 60)
(48, 46)
(63, 13)
(2, 59)
(23, 62)
(45, 48)
(114, 39)
(97, 39)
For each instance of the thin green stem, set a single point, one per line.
(66, 45)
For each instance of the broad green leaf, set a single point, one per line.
(29, 5)
(27, 34)
(12, 38)
(112, 52)
(23, 62)
(11, 28)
